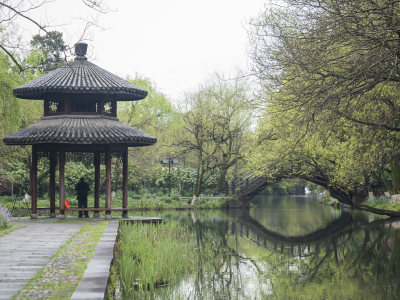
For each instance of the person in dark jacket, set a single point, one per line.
(82, 189)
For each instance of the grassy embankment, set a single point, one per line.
(382, 203)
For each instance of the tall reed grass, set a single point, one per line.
(151, 256)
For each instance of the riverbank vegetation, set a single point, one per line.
(330, 90)
(385, 203)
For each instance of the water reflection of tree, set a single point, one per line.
(220, 267)
(214, 260)
(351, 258)
(358, 261)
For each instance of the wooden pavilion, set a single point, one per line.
(80, 116)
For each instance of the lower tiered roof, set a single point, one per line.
(80, 129)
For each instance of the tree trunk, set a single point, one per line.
(220, 188)
(337, 193)
(199, 181)
(39, 179)
(395, 166)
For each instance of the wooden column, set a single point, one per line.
(34, 182)
(52, 184)
(108, 181)
(61, 167)
(96, 162)
(125, 183)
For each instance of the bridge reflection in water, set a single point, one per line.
(351, 256)
(251, 254)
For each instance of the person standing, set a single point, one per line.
(82, 189)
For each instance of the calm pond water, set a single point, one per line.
(290, 248)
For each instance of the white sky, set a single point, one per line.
(175, 43)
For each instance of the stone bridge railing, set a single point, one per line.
(248, 185)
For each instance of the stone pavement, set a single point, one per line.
(26, 250)
(93, 283)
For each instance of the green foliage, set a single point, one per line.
(328, 200)
(15, 114)
(329, 117)
(156, 116)
(149, 201)
(51, 47)
(210, 202)
(216, 120)
(383, 203)
(151, 256)
(74, 170)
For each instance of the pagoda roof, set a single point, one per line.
(80, 129)
(80, 79)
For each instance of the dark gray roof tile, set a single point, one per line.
(80, 78)
(74, 129)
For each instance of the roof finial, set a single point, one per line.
(80, 50)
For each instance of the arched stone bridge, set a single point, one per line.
(249, 185)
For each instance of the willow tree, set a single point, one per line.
(341, 56)
(334, 65)
(15, 114)
(216, 121)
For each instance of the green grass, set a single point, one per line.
(4, 231)
(154, 202)
(150, 256)
(137, 202)
(383, 203)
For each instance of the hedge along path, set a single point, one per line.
(60, 277)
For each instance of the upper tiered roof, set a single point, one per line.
(80, 79)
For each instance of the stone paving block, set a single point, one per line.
(26, 250)
(87, 296)
(8, 295)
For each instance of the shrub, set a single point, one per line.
(175, 197)
(5, 217)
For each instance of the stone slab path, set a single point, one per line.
(26, 250)
(93, 283)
